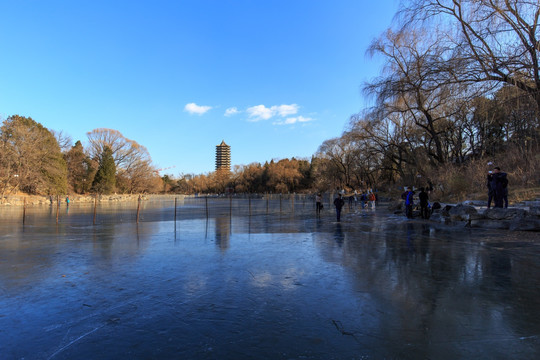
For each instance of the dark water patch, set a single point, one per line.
(511, 245)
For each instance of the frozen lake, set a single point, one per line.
(274, 285)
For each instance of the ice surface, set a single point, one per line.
(273, 285)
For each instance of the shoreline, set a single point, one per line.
(21, 200)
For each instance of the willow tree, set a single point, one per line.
(486, 42)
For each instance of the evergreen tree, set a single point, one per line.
(80, 169)
(105, 179)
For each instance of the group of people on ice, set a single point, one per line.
(497, 184)
(423, 197)
(367, 198)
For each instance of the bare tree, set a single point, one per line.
(485, 41)
(337, 160)
(413, 87)
(133, 163)
(125, 151)
(63, 140)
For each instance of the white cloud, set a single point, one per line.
(293, 120)
(261, 112)
(304, 119)
(193, 108)
(231, 111)
(284, 110)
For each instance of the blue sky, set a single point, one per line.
(274, 79)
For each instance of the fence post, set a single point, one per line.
(175, 211)
(206, 199)
(249, 201)
(280, 197)
(57, 207)
(95, 206)
(138, 208)
(24, 212)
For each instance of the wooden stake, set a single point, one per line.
(138, 208)
(95, 207)
(24, 212)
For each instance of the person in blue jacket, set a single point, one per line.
(409, 203)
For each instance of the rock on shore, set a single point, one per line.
(494, 218)
(468, 214)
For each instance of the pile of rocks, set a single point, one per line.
(470, 213)
(494, 218)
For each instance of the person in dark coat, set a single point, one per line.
(424, 203)
(500, 180)
(318, 203)
(338, 203)
(491, 188)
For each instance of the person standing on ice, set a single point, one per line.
(338, 203)
(318, 203)
(372, 198)
(424, 203)
(501, 187)
(363, 199)
(409, 202)
(491, 188)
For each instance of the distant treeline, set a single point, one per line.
(459, 93)
(36, 160)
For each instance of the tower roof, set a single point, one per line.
(223, 143)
